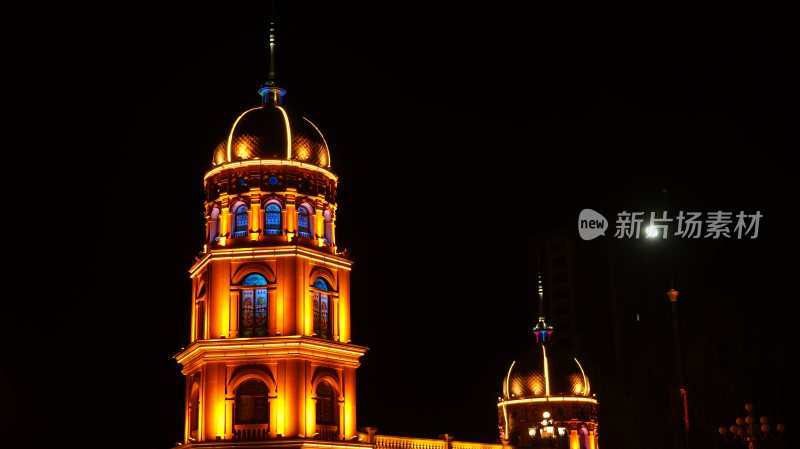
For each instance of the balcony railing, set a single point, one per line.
(392, 442)
(251, 431)
(330, 433)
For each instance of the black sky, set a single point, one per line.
(437, 119)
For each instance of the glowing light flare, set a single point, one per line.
(650, 231)
(243, 151)
(303, 152)
(546, 415)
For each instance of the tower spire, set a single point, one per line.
(271, 75)
(542, 331)
(270, 93)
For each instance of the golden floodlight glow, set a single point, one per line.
(243, 151)
(268, 162)
(336, 446)
(303, 152)
(286, 251)
(233, 128)
(220, 414)
(586, 389)
(280, 415)
(547, 399)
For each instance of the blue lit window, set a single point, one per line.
(303, 227)
(254, 279)
(253, 306)
(322, 309)
(273, 219)
(240, 228)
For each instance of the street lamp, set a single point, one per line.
(672, 294)
(548, 429)
(747, 431)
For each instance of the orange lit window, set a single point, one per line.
(325, 404)
(251, 403)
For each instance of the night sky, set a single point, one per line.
(456, 132)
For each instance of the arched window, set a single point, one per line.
(328, 226)
(303, 222)
(326, 411)
(253, 306)
(240, 226)
(194, 411)
(322, 326)
(251, 403)
(272, 219)
(584, 438)
(213, 225)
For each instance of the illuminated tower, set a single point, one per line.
(546, 400)
(270, 354)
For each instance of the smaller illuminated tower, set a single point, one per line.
(546, 400)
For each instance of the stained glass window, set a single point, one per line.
(273, 219)
(303, 227)
(240, 229)
(325, 404)
(254, 279)
(253, 307)
(251, 403)
(321, 310)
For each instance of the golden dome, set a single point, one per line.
(270, 132)
(542, 372)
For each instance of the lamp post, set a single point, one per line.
(749, 433)
(672, 294)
